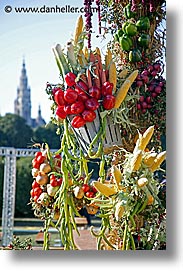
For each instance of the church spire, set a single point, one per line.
(22, 104)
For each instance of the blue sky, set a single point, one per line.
(32, 35)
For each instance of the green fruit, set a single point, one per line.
(135, 55)
(127, 11)
(126, 43)
(119, 33)
(144, 40)
(131, 29)
(143, 23)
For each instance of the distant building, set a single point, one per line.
(22, 103)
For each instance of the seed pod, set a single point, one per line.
(136, 161)
(146, 138)
(149, 159)
(158, 161)
(142, 182)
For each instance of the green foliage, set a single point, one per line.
(14, 131)
(47, 134)
(23, 187)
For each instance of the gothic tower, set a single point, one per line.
(22, 104)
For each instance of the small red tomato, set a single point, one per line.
(59, 181)
(35, 184)
(59, 97)
(60, 112)
(37, 154)
(53, 183)
(41, 159)
(108, 102)
(92, 104)
(67, 109)
(37, 191)
(52, 177)
(82, 96)
(95, 92)
(89, 115)
(54, 90)
(70, 96)
(77, 107)
(78, 121)
(70, 79)
(86, 187)
(94, 189)
(107, 88)
(89, 194)
(32, 193)
(35, 163)
(81, 87)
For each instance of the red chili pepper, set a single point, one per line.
(92, 104)
(89, 115)
(70, 96)
(78, 122)
(67, 109)
(70, 79)
(60, 112)
(81, 87)
(59, 97)
(107, 88)
(108, 102)
(77, 107)
(82, 96)
(95, 92)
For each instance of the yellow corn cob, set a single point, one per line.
(113, 75)
(142, 182)
(104, 189)
(70, 54)
(132, 76)
(123, 73)
(158, 161)
(97, 50)
(108, 58)
(146, 138)
(149, 159)
(81, 58)
(78, 29)
(85, 52)
(123, 90)
(119, 210)
(138, 137)
(116, 174)
(136, 161)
